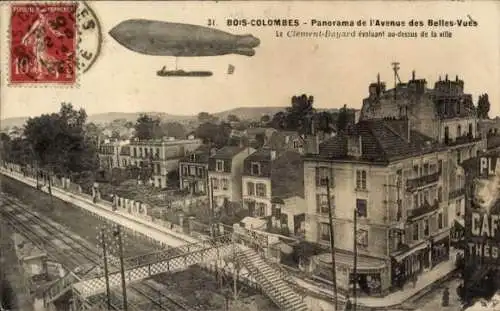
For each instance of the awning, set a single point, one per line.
(411, 251)
(364, 263)
(442, 235)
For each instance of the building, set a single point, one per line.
(269, 174)
(444, 113)
(193, 171)
(109, 153)
(286, 140)
(258, 135)
(161, 155)
(225, 170)
(124, 156)
(396, 179)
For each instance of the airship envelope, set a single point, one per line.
(180, 40)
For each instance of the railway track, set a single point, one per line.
(77, 253)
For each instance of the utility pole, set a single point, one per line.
(106, 275)
(355, 268)
(211, 213)
(118, 235)
(332, 244)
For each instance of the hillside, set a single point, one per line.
(241, 112)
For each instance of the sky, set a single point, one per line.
(335, 71)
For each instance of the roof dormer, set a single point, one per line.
(354, 146)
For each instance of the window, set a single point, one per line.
(459, 157)
(296, 144)
(415, 170)
(250, 188)
(225, 184)
(440, 221)
(215, 183)
(158, 169)
(192, 170)
(324, 232)
(324, 174)
(426, 227)
(145, 152)
(361, 206)
(260, 210)
(459, 131)
(184, 170)
(415, 201)
(426, 169)
(135, 152)
(219, 166)
(440, 166)
(322, 204)
(458, 207)
(361, 180)
(362, 238)
(193, 157)
(260, 190)
(415, 231)
(470, 129)
(255, 168)
(440, 194)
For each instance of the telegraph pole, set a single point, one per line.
(332, 244)
(117, 233)
(355, 268)
(210, 220)
(106, 276)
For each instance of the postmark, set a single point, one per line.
(52, 44)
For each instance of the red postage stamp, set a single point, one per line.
(43, 43)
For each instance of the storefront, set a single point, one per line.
(440, 246)
(406, 266)
(372, 273)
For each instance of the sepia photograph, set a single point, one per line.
(249, 155)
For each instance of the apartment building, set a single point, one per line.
(225, 170)
(445, 113)
(269, 174)
(396, 180)
(193, 171)
(162, 155)
(109, 153)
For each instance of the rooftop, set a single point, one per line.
(382, 141)
(227, 152)
(202, 154)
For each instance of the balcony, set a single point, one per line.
(461, 140)
(422, 210)
(456, 193)
(422, 181)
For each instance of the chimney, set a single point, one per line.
(378, 78)
(273, 155)
(456, 78)
(446, 77)
(413, 75)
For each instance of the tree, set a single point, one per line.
(115, 134)
(217, 134)
(232, 118)
(324, 122)
(300, 113)
(483, 106)
(174, 129)
(342, 119)
(205, 117)
(58, 141)
(279, 120)
(147, 128)
(265, 119)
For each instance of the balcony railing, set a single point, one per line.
(423, 209)
(422, 180)
(456, 193)
(464, 139)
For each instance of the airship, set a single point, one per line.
(160, 38)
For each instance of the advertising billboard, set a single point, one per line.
(482, 227)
